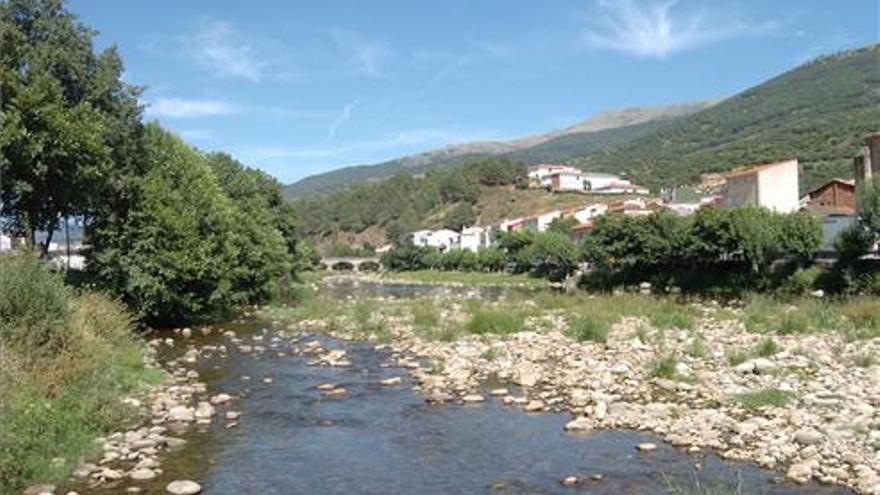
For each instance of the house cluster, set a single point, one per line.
(565, 178)
(774, 186)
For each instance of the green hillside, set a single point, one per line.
(817, 113)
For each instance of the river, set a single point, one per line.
(293, 438)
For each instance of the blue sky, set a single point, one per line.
(300, 87)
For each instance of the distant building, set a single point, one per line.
(5, 243)
(475, 238)
(442, 239)
(584, 214)
(832, 226)
(867, 163)
(773, 186)
(568, 178)
(836, 197)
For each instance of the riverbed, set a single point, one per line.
(293, 437)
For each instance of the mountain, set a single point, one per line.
(334, 180)
(817, 112)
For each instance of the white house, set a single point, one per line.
(568, 178)
(773, 186)
(543, 220)
(442, 239)
(586, 213)
(5, 243)
(475, 238)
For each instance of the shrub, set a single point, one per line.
(802, 281)
(767, 348)
(34, 305)
(493, 321)
(764, 398)
(589, 329)
(425, 313)
(665, 367)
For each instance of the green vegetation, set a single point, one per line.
(485, 320)
(817, 112)
(589, 329)
(665, 367)
(67, 360)
(697, 487)
(764, 398)
(468, 278)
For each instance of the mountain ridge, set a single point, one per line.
(331, 181)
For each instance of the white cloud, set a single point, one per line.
(217, 46)
(182, 108)
(344, 117)
(657, 29)
(366, 54)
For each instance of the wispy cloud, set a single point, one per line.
(339, 121)
(218, 46)
(183, 108)
(657, 29)
(392, 143)
(367, 55)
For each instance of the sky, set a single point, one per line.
(301, 87)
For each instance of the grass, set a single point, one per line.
(767, 348)
(697, 487)
(764, 398)
(491, 354)
(469, 278)
(62, 390)
(425, 313)
(697, 348)
(665, 367)
(865, 360)
(485, 320)
(587, 329)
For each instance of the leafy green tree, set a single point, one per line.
(491, 259)
(757, 236)
(713, 236)
(800, 236)
(68, 116)
(461, 215)
(554, 255)
(177, 257)
(562, 225)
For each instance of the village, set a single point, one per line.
(775, 186)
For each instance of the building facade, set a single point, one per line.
(773, 186)
(836, 197)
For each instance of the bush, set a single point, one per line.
(764, 398)
(493, 321)
(802, 281)
(34, 305)
(592, 329)
(55, 403)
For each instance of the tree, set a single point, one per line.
(801, 236)
(461, 215)
(67, 116)
(756, 233)
(562, 225)
(553, 255)
(178, 255)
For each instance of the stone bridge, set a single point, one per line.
(341, 263)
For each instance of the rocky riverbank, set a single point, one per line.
(133, 457)
(807, 409)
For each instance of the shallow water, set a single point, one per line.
(381, 440)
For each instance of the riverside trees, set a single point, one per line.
(173, 233)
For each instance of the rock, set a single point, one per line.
(183, 487)
(646, 447)
(807, 436)
(569, 481)
(204, 410)
(745, 368)
(182, 414)
(326, 386)
(497, 392)
(220, 399)
(186, 333)
(764, 366)
(40, 490)
(527, 374)
(233, 415)
(579, 424)
(535, 406)
(142, 474)
(388, 382)
(818, 293)
(473, 398)
(801, 472)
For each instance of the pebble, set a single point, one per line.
(473, 398)
(183, 487)
(646, 447)
(388, 382)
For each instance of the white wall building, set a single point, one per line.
(475, 238)
(773, 186)
(442, 239)
(5, 243)
(543, 220)
(587, 213)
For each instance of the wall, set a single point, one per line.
(741, 190)
(778, 188)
